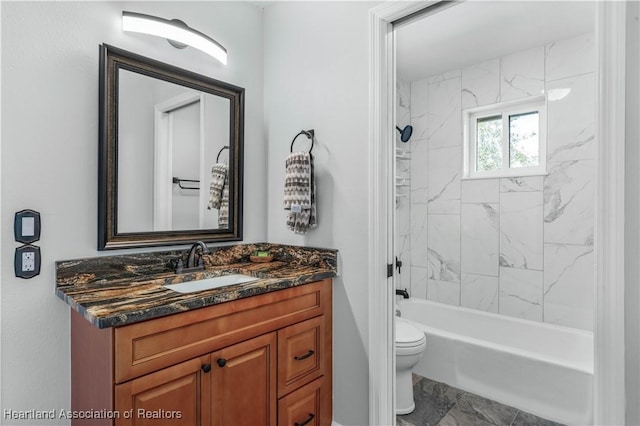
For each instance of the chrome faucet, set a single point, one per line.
(195, 261)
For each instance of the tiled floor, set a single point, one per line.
(443, 405)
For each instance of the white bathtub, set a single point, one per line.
(543, 369)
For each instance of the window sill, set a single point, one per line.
(502, 174)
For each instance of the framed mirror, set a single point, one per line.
(170, 157)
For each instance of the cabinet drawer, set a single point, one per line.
(300, 354)
(308, 406)
(151, 345)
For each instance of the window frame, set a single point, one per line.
(470, 117)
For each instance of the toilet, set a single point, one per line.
(410, 344)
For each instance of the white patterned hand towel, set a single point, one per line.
(219, 193)
(299, 192)
(223, 213)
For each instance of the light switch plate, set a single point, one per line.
(26, 226)
(27, 261)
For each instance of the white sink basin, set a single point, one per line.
(209, 283)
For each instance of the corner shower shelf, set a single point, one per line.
(402, 154)
(402, 181)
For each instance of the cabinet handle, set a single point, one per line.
(305, 356)
(311, 417)
(206, 368)
(222, 362)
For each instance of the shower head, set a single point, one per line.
(405, 133)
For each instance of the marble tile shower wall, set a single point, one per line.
(519, 246)
(403, 184)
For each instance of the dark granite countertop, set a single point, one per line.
(111, 291)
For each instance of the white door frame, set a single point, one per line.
(381, 207)
(163, 156)
(609, 391)
(609, 381)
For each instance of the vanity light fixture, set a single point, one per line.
(179, 34)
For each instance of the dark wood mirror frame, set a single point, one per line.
(111, 61)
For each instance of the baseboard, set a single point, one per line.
(334, 423)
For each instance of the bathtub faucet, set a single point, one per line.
(402, 293)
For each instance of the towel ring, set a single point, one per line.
(220, 152)
(307, 133)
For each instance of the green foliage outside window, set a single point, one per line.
(523, 141)
(489, 147)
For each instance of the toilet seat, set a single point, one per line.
(408, 336)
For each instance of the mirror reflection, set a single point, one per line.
(170, 176)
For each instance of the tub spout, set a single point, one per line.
(404, 293)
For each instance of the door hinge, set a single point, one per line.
(389, 270)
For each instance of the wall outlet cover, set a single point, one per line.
(27, 261)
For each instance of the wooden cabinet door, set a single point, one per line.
(174, 395)
(243, 383)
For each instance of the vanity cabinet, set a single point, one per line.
(216, 389)
(260, 360)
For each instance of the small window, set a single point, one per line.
(506, 139)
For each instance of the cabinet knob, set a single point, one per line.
(307, 420)
(206, 368)
(222, 362)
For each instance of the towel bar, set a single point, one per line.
(179, 182)
(220, 152)
(308, 133)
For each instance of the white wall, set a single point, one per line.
(316, 65)
(632, 213)
(50, 154)
(136, 151)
